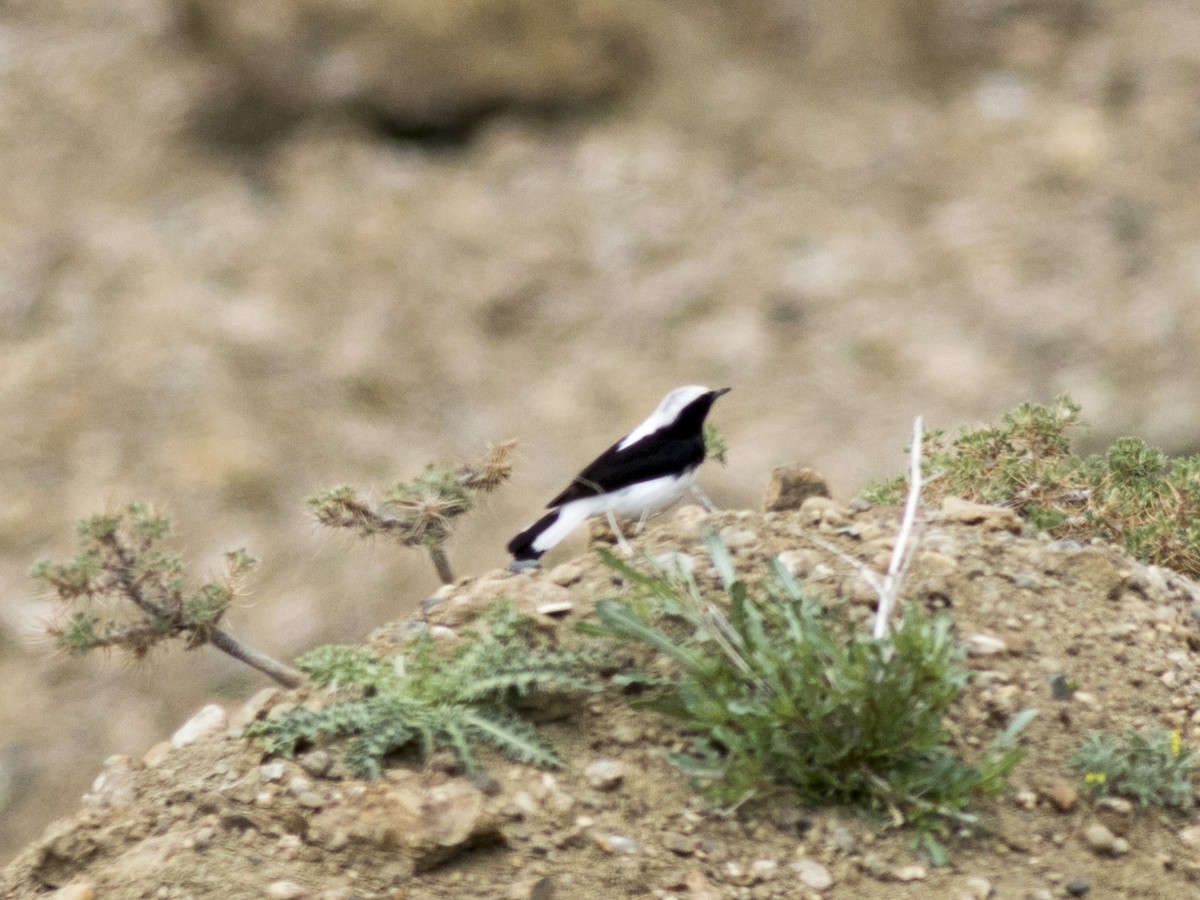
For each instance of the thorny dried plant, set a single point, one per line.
(419, 512)
(123, 557)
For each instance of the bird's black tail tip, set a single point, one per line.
(521, 547)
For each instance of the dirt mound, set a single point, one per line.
(213, 817)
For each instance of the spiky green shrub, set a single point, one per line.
(1152, 769)
(419, 512)
(423, 701)
(127, 589)
(776, 693)
(1133, 494)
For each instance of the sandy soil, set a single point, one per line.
(851, 212)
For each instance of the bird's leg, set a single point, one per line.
(621, 542)
(702, 499)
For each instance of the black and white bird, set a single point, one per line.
(640, 475)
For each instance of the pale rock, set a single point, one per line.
(823, 511)
(615, 844)
(763, 869)
(985, 645)
(736, 538)
(114, 786)
(285, 890)
(956, 509)
(272, 771)
(911, 873)
(977, 888)
(605, 774)
(316, 762)
(554, 608)
(1063, 795)
(1190, 836)
(1118, 805)
(734, 872)
(77, 891)
(208, 720)
(812, 874)
(1099, 839)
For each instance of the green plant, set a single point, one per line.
(419, 512)
(1133, 494)
(776, 692)
(423, 700)
(1152, 769)
(123, 557)
(715, 446)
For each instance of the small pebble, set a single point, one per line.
(1100, 840)
(211, 718)
(615, 843)
(316, 762)
(273, 771)
(812, 874)
(985, 645)
(738, 538)
(977, 888)
(1190, 836)
(764, 869)
(78, 891)
(605, 774)
(1078, 887)
(1063, 795)
(1025, 799)
(1118, 805)
(285, 890)
(911, 873)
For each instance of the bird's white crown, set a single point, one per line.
(668, 411)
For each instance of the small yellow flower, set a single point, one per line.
(1176, 743)
(1095, 778)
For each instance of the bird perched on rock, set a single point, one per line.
(641, 474)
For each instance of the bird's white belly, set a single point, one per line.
(645, 498)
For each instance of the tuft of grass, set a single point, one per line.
(419, 512)
(1152, 769)
(127, 589)
(424, 701)
(775, 693)
(1132, 494)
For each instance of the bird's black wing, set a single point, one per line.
(657, 454)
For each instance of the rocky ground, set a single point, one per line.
(205, 814)
(250, 249)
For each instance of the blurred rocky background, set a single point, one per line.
(254, 248)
